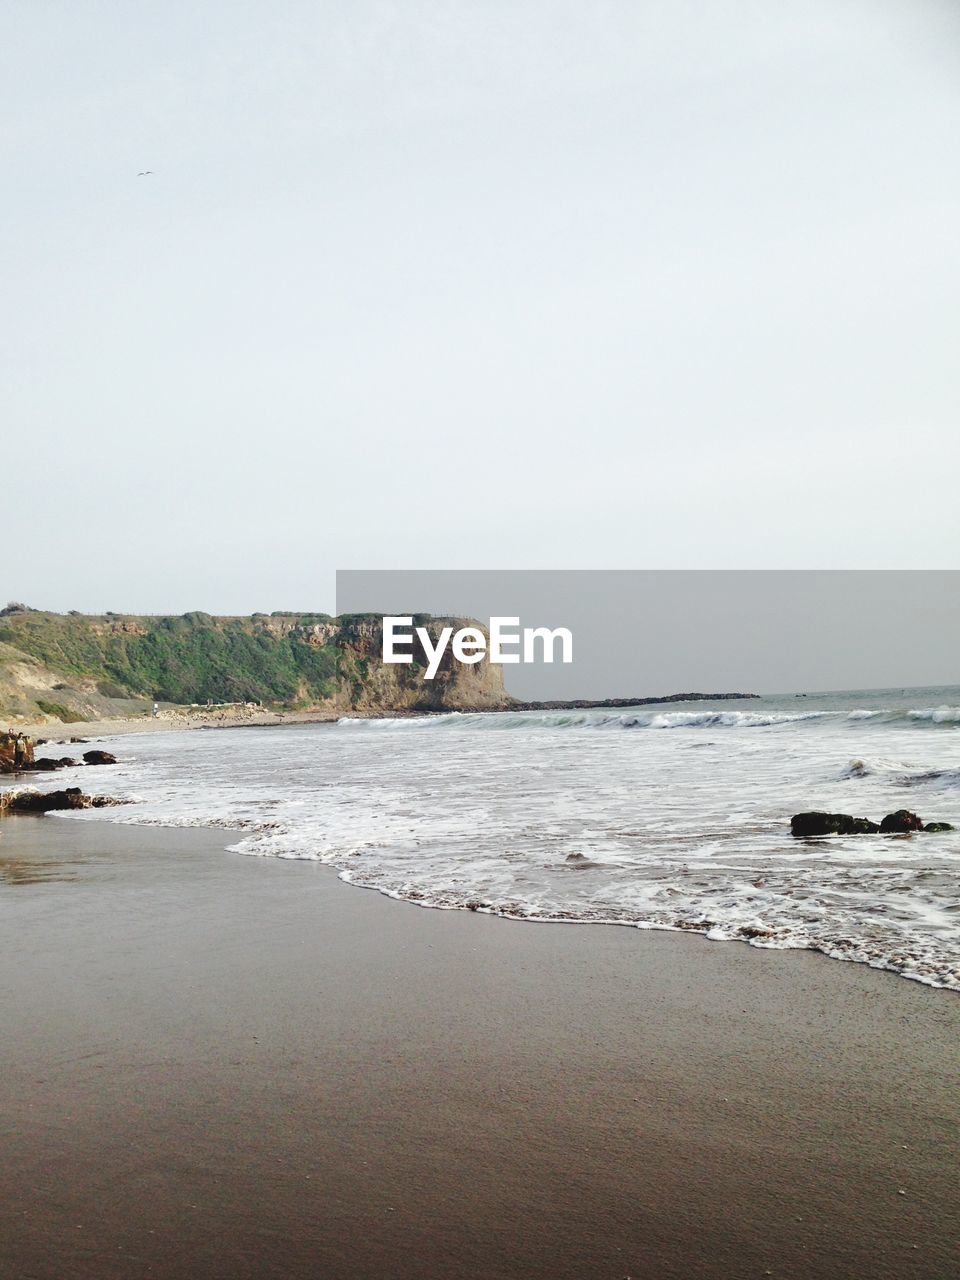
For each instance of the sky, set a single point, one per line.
(473, 285)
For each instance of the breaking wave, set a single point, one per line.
(900, 774)
(643, 718)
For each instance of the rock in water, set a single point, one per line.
(817, 823)
(902, 820)
(43, 801)
(99, 757)
(938, 826)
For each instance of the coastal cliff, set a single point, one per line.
(72, 668)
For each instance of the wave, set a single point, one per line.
(900, 774)
(708, 718)
(916, 715)
(938, 715)
(729, 916)
(584, 720)
(590, 827)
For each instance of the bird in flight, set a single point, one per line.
(144, 173)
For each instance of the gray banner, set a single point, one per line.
(646, 633)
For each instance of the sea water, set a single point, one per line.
(674, 816)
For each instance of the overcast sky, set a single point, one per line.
(536, 284)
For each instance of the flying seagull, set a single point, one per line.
(144, 173)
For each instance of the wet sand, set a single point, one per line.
(220, 1066)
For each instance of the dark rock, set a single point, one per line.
(99, 757)
(862, 826)
(817, 823)
(45, 801)
(45, 765)
(68, 762)
(79, 739)
(939, 826)
(902, 820)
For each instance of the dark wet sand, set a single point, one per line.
(220, 1066)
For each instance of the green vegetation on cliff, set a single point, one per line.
(194, 658)
(74, 667)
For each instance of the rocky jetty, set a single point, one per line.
(600, 704)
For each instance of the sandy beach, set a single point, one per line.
(166, 722)
(223, 1066)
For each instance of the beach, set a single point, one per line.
(168, 720)
(225, 1066)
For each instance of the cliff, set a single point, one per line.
(77, 667)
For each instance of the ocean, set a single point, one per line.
(673, 816)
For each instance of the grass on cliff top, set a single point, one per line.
(193, 658)
(61, 712)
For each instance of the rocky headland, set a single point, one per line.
(117, 673)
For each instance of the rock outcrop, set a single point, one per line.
(817, 823)
(369, 686)
(901, 821)
(99, 757)
(30, 801)
(16, 752)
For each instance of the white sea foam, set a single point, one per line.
(542, 815)
(587, 719)
(938, 715)
(647, 718)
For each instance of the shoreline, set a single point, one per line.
(232, 717)
(703, 931)
(166, 722)
(275, 1076)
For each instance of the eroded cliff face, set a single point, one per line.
(370, 686)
